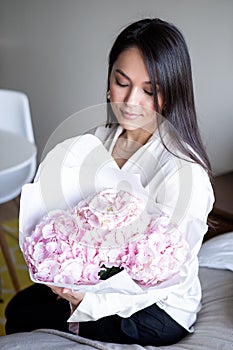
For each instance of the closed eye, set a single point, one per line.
(120, 84)
(148, 93)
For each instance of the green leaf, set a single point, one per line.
(107, 272)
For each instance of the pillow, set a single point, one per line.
(217, 252)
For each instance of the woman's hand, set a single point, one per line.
(74, 298)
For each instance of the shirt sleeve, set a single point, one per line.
(189, 198)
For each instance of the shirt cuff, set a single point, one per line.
(95, 306)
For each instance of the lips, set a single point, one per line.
(129, 115)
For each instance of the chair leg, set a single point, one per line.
(9, 262)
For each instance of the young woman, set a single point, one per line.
(151, 130)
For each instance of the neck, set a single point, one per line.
(129, 142)
(140, 135)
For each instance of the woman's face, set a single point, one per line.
(131, 91)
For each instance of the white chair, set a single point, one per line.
(15, 118)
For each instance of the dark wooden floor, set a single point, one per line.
(9, 210)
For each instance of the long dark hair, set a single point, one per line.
(165, 52)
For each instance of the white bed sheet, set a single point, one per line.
(217, 252)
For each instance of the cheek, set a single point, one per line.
(116, 94)
(150, 105)
(116, 109)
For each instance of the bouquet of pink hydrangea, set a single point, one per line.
(108, 232)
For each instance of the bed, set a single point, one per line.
(213, 329)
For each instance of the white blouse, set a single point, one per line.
(181, 188)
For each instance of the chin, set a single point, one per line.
(129, 126)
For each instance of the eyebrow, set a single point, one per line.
(126, 76)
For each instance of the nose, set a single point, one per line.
(132, 97)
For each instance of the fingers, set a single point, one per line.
(66, 291)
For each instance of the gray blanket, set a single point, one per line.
(213, 329)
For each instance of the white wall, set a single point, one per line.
(56, 51)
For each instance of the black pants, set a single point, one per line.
(38, 307)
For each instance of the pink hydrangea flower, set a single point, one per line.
(110, 228)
